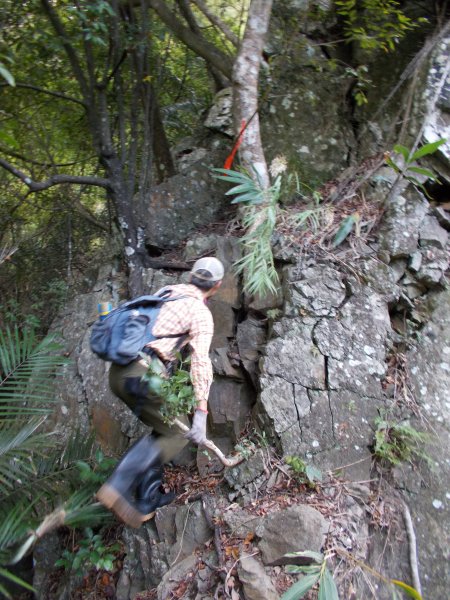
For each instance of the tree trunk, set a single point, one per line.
(161, 150)
(245, 89)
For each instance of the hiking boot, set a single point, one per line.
(148, 494)
(118, 493)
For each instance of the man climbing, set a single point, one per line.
(133, 492)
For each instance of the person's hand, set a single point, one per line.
(197, 432)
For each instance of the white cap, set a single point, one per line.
(208, 269)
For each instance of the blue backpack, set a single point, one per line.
(123, 333)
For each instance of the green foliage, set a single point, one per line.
(37, 476)
(397, 442)
(274, 313)
(362, 82)
(317, 573)
(410, 169)
(314, 573)
(310, 216)
(304, 472)
(91, 552)
(375, 24)
(176, 390)
(5, 73)
(96, 471)
(94, 25)
(345, 228)
(259, 207)
(412, 593)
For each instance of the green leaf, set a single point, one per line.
(7, 75)
(392, 164)
(243, 187)
(299, 589)
(313, 474)
(303, 569)
(251, 197)
(234, 176)
(345, 229)
(412, 593)
(422, 171)
(7, 575)
(403, 151)
(108, 565)
(427, 149)
(327, 588)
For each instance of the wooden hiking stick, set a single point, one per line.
(228, 462)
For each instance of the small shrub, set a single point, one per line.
(91, 552)
(176, 390)
(397, 442)
(304, 472)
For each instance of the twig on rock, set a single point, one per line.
(412, 548)
(228, 462)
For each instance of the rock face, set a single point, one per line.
(324, 373)
(321, 373)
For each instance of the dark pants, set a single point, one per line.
(125, 383)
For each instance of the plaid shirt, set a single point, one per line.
(187, 316)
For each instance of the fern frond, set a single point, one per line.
(11, 577)
(18, 442)
(27, 370)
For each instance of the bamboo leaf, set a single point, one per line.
(402, 150)
(412, 593)
(299, 589)
(251, 197)
(243, 187)
(427, 149)
(344, 229)
(392, 164)
(230, 175)
(327, 588)
(423, 171)
(303, 569)
(7, 575)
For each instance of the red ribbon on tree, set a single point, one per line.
(229, 161)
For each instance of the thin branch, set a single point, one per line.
(219, 79)
(37, 186)
(412, 548)
(36, 88)
(228, 462)
(44, 164)
(70, 50)
(412, 66)
(217, 22)
(195, 42)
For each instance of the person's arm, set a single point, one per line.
(201, 367)
(201, 374)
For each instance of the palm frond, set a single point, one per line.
(18, 442)
(44, 473)
(11, 577)
(27, 370)
(14, 525)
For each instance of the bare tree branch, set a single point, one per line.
(70, 51)
(36, 88)
(44, 164)
(219, 79)
(217, 22)
(37, 186)
(195, 42)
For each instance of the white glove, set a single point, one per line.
(197, 432)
